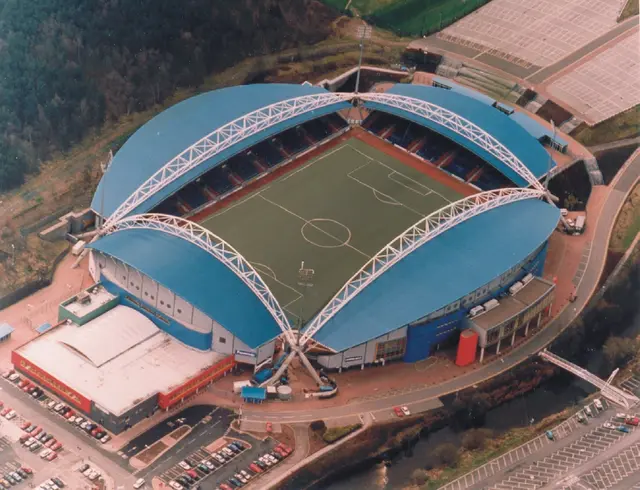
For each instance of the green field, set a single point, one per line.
(334, 213)
(411, 17)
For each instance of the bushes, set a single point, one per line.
(335, 433)
(475, 438)
(419, 476)
(447, 454)
(318, 426)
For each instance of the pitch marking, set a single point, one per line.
(429, 190)
(316, 220)
(319, 229)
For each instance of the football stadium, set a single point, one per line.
(254, 223)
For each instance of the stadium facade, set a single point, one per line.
(175, 303)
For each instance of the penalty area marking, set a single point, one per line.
(380, 197)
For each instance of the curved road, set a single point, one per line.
(623, 183)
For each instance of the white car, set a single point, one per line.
(87, 472)
(45, 452)
(175, 485)
(79, 421)
(51, 405)
(83, 425)
(405, 410)
(608, 425)
(271, 458)
(11, 415)
(245, 474)
(184, 465)
(14, 377)
(265, 460)
(598, 403)
(58, 406)
(93, 475)
(139, 483)
(588, 411)
(208, 464)
(105, 439)
(621, 415)
(219, 458)
(228, 451)
(71, 419)
(242, 479)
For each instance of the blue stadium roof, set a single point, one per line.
(530, 152)
(172, 131)
(442, 271)
(534, 128)
(195, 276)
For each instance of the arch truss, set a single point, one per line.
(424, 230)
(221, 139)
(459, 125)
(216, 246)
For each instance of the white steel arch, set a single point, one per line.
(221, 139)
(417, 235)
(459, 125)
(216, 246)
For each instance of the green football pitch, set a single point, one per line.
(333, 213)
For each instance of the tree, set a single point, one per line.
(475, 438)
(318, 426)
(447, 454)
(619, 350)
(419, 476)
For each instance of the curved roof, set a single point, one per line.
(195, 276)
(507, 131)
(111, 334)
(442, 271)
(175, 129)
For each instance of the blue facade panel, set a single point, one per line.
(422, 338)
(195, 276)
(192, 338)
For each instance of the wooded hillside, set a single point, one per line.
(67, 65)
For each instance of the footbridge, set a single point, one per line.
(614, 394)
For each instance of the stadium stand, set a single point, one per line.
(436, 149)
(242, 166)
(538, 32)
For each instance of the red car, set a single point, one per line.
(255, 468)
(50, 443)
(193, 474)
(27, 387)
(269, 427)
(28, 471)
(398, 411)
(5, 411)
(22, 383)
(36, 431)
(280, 451)
(286, 448)
(25, 425)
(57, 446)
(52, 456)
(632, 421)
(224, 486)
(69, 414)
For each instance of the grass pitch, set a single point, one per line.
(334, 213)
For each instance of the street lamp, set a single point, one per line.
(364, 32)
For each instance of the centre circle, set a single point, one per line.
(326, 233)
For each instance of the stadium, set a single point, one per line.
(254, 223)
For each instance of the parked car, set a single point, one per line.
(193, 474)
(598, 404)
(255, 468)
(83, 468)
(587, 410)
(45, 452)
(57, 446)
(25, 424)
(105, 439)
(184, 465)
(52, 456)
(398, 411)
(5, 411)
(58, 482)
(14, 377)
(623, 428)
(27, 470)
(240, 478)
(621, 415)
(175, 485)
(632, 420)
(405, 410)
(246, 475)
(50, 443)
(608, 425)
(8, 374)
(208, 464)
(79, 421)
(582, 419)
(11, 415)
(139, 483)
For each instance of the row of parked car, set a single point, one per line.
(260, 465)
(90, 473)
(51, 484)
(11, 478)
(194, 471)
(79, 422)
(60, 408)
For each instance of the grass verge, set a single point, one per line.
(335, 433)
(622, 126)
(627, 225)
(630, 9)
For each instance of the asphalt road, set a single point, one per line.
(585, 289)
(190, 416)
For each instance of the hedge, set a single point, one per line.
(335, 433)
